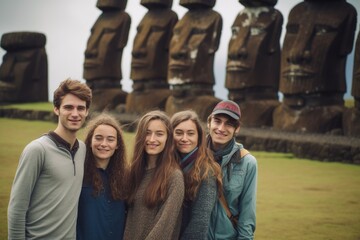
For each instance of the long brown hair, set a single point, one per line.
(204, 165)
(166, 163)
(117, 165)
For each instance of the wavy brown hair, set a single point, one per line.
(117, 165)
(205, 164)
(166, 163)
(75, 87)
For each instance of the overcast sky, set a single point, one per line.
(67, 24)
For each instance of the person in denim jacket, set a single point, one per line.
(239, 170)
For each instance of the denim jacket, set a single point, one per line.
(239, 184)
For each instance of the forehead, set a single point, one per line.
(186, 125)
(72, 100)
(222, 117)
(105, 130)
(156, 125)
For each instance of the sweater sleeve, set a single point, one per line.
(168, 214)
(202, 207)
(247, 202)
(27, 173)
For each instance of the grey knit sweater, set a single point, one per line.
(196, 214)
(45, 192)
(162, 222)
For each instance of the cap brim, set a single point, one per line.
(229, 113)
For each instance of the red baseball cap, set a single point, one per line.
(229, 108)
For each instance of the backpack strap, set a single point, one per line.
(243, 152)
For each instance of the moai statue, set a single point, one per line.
(103, 54)
(24, 70)
(351, 119)
(150, 56)
(319, 36)
(253, 64)
(192, 49)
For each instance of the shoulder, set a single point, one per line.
(177, 176)
(38, 144)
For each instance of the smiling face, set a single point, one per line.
(72, 113)
(186, 136)
(104, 143)
(221, 130)
(156, 136)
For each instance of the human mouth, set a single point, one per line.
(237, 66)
(295, 72)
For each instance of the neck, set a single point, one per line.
(68, 136)
(102, 163)
(151, 161)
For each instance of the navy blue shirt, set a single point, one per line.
(100, 218)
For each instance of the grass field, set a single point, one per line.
(297, 198)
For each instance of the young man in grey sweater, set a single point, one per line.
(44, 196)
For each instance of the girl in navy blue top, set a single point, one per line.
(102, 210)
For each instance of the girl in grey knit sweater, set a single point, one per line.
(201, 172)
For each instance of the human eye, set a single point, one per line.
(98, 138)
(178, 132)
(81, 108)
(111, 139)
(160, 133)
(68, 107)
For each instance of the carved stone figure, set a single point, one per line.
(102, 66)
(150, 56)
(351, 118)
(24, 70)
(192, 49)
(319, 36)
(253, 64)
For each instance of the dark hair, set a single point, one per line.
(117, 165)
(205, 164)
(75, 87)
(166, 163)
(235, 123)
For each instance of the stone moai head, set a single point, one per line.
(150, 52)
(319, 36)
(195, 40)
(254, 47)
(103, 54)
(24, 73)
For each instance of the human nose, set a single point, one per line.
(152, 137)
(221, 126)
(184, 137)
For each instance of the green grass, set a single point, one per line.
(297, 198)
(39, 106)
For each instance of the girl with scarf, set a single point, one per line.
(156, 183)
(202, 174)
